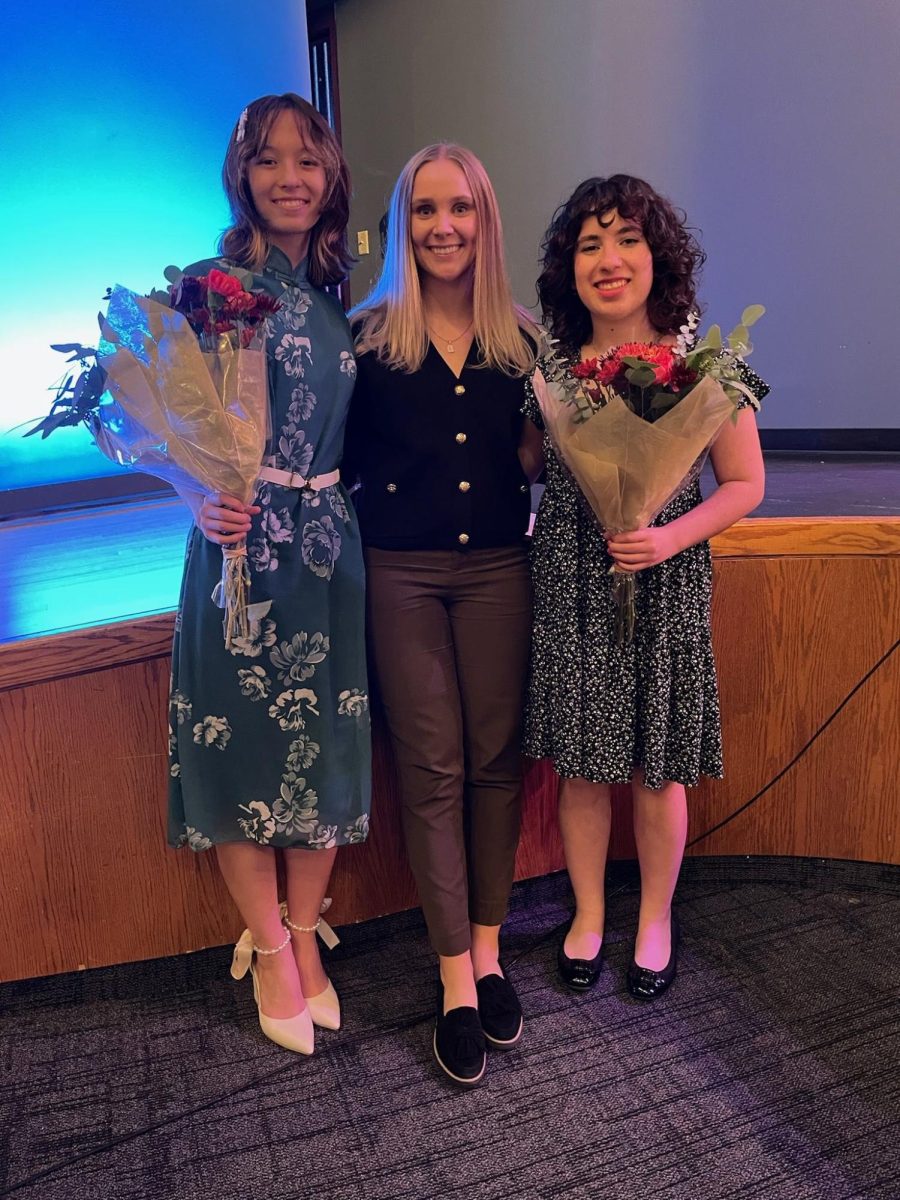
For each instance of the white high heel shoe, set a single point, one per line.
(293, 1033)
(325, 1009)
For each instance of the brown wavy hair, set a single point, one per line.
(677, 256)
(246, 241)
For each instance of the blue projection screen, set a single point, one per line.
(114, 124)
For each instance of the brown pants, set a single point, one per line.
(450, 634)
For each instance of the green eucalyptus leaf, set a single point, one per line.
(739, 337)
(713, 338)
(751, 314)
(640, 377)
(173, 274)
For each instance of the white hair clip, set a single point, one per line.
(241, 126)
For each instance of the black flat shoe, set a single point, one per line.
(459, 1044)
(500, 1011)
(580, 974)
(644, 984)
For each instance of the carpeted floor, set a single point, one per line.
(770, 1069)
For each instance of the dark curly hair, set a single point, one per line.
(677, 256)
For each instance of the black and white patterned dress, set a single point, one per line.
(596, 709)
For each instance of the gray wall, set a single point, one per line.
(774, 123)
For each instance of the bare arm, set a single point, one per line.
(531, 450)
(738, 465)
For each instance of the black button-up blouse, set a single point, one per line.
(436, 456)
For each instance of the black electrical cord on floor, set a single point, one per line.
(800, 753)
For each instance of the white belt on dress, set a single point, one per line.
(292, 480)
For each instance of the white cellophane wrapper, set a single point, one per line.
(198, 419)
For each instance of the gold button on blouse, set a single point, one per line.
(523, 487)
(460, 437)
(464, 485)
(463, 539)
(392, 487)
(459, 390)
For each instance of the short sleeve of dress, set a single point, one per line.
(530, 406)
(755, 384)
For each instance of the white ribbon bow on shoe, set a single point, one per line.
(243, 955)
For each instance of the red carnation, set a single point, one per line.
(224, 284)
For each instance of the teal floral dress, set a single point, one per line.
(269, 742)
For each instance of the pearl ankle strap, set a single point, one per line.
(321, 927)
(301, 928)
(246, 948)
(277, 949)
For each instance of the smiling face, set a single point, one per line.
(443, 223)
(613, 269)
(287, 182)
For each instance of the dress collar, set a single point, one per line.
(279, 265)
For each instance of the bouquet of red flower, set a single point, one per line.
(218, 303)
(177, 388)
(634, 427)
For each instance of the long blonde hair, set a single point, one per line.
(391, 319)
(246, 241)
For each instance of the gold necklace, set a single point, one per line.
(450, 342)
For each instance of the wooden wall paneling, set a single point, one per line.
(35, 659)
(82, 829)
(88, 878)
(810, 630)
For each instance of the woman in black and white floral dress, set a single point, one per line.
(620, 267)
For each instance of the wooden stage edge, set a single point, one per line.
(806, 615)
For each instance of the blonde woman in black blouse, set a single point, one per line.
(442, 452)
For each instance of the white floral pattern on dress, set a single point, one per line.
(338, 504)
(324, 838)
(348, 364)
(262, 632)
(297, 659)
(288, 708)
(259, 825)
(303, 401)
(212, 731)
(182, 706)
(296, 451)
(295, 809)
(358, 831)
(321, 546)
(352, 702)
(275, 528)
(195, 839)
(254, 682)
(291, 352)
(302, 753)
(294, 307)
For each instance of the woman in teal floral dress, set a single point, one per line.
(270, 740)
